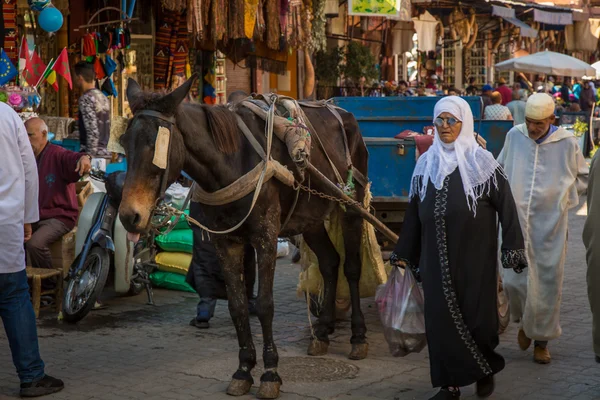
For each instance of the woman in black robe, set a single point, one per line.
(450, 241)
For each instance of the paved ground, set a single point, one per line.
(134, 351)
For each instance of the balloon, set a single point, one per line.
(38, 5)
(50, 19)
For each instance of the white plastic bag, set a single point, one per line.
(400, 304)
(176, 195)
(283, 248)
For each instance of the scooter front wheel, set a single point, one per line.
(82, 291)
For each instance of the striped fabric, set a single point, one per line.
(9, 10)
(162, 51)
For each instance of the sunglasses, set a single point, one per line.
(439, 122)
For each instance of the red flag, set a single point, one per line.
(23, 55)
(34, 69)
(61, 66)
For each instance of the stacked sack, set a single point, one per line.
(175, 258)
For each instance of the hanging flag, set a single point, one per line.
(51, 79)
(23, 55)
(7, 68)
(61, 66)
(49, 76)
(34, 69)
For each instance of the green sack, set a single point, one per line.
(181, 224)
(180, 241)
(171, 281)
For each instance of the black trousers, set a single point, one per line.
(205, 274)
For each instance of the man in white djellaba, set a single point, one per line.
(547, 174)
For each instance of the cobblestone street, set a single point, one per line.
(135, 351)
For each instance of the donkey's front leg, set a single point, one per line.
(231, 257)
(352, 270)
(270, 381)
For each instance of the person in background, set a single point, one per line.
(497, 111)
(591, 240)
(94, 112)
(577, 89)
(550, 85)
(58, 170)
(565, 91)
(486, 95)
(505, 91)
(205, 274)
(587, 97)
(472, 89)
(18, 210)
(449, 240)
(403, 89)
(517, 108)
(547, 174)
(432, 82)
(453, 92)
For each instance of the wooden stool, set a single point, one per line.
(37, 275)
(63, 251)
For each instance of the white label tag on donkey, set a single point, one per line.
(161, 148)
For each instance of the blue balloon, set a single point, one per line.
(50, 19)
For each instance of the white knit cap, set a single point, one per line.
(539, 106)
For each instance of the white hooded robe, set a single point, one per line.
(546, 181)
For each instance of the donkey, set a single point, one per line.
(207, 144)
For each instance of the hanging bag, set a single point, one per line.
(400, 304)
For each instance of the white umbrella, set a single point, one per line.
(548, 63)
(596, 66)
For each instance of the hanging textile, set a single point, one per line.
(426, 26)
(319, 37)
(9, 11)
(219, 19)
(402, 37)
(583, 35)
(405, 12)
(162, 53)
(194, 17)
(180, 53)
(236, 19)
(267, 60)
(273, 24)
(250, 13)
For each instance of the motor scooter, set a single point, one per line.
(102, 247)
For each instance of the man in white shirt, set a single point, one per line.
(18, 210)
(547, 174)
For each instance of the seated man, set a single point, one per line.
(58, 170)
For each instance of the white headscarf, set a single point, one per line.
(476, 165)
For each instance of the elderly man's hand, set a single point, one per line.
(84, 165)
(27, 232)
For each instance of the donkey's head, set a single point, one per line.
(147, 157)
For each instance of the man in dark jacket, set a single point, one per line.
(205, 274)
(58, 170)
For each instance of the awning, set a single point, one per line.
(553, 18)
(508, 14)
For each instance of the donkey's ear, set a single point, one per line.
(171, 101)
(134, 93)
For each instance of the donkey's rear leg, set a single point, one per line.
(329, 262)
(353, 225)
(231, 257)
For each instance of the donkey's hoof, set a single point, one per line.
(317, 348)
(359, 351)
(268, 390)
(239, 387)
